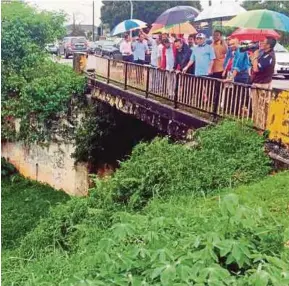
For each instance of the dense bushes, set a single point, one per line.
(229, 239)
(34, 89)
(225, 156)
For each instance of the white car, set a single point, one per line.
(282, 61)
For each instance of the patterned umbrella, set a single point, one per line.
(261, 19)
(184, 28)
(177, 15)
(254, 34)
(128, 25)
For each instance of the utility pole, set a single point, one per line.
(131, 13)
(93, 20)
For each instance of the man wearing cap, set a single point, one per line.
(203, 55)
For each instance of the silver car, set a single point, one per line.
(52, 49)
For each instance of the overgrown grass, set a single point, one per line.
(169, 216)
(24, 203)
(235, 238)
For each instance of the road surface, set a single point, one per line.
(278, 82)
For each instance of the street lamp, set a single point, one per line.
(131, 14)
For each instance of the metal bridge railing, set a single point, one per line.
(205, 94)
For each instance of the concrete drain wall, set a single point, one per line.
(52, 165)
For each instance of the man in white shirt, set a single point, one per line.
(156, 54)
(170, 62)
(126, 50)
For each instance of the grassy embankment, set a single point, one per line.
(169, 216)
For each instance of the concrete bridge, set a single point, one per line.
(176, 103)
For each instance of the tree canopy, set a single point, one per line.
(114, 12)
(33, 86)
(278, 6)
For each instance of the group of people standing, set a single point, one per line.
(220, 59)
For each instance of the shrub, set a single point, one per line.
(7, 168)
(226, 155)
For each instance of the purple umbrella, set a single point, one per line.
(177, 15)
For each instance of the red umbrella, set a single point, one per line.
(254, 35)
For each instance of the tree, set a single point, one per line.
(278, 6)
(114, 12)
(34, 88)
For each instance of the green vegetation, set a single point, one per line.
(162, 219)
(34, 88)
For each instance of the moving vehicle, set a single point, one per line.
(52, 49)
(70, 45)
(282, 61)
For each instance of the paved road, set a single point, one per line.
(278, 82)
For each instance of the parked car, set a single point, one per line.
(91, 47)
(52, 49)
(70, 45)
(282, 61)
(108, 49)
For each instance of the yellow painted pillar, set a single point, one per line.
(79, 62)
(278, 117)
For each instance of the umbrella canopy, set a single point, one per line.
(177, 15)
(220, 12)
(261, 19)
(254, 34)
(183, 28)
(128, 25)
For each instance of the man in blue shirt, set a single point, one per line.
(140, 48)
(236, 63)
(203, 55)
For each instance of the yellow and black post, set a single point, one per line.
(79, 62)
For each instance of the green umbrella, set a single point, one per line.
(260, 19)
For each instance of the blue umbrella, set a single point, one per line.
(177, 15)
(128, 25)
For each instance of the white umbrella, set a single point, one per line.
(128, 25)
(220, 12)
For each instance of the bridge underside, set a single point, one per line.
(174, 122)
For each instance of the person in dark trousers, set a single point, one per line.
(263, 65)
(183, 54)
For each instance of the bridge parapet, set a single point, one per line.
(201, 97)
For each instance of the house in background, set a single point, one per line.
(83, 30)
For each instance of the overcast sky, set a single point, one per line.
(83, 8)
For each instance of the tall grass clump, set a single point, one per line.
(225, 156)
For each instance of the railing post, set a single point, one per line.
(108, 70)
(125, 76)
(176, 91)
(148, 82)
